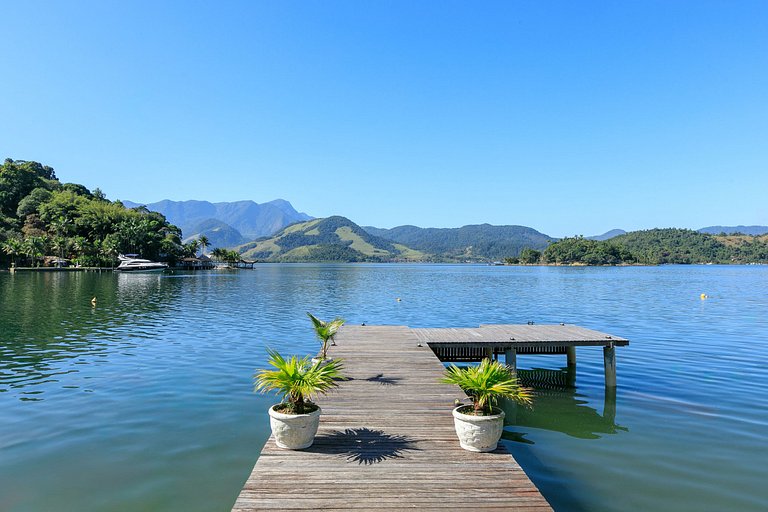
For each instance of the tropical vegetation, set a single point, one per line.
(297, 380)
(42, 217)
(485, 384)
(325, 332)
(651, 247)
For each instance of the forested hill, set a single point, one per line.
(42, 218)
(481, 242)
(330, 239)
(654, 247)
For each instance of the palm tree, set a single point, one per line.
(232, 257)
(325, 331)
(13, 247)
(297, 380)
(218, 254)
(486, 383)
(34, 248)
(190, 248)
(203, 241)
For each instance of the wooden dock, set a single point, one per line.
(473, 344)
(387, 442)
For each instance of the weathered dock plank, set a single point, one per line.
(387, 442)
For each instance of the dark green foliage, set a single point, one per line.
(476, 242)
(331, 253)
(41, 217)
(17, 179)
(589, 252)
(529, 256)
(658, 247)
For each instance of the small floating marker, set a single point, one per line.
(399, 299)
(704, 296)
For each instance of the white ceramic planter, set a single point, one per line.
(478, 433)
(294, 431)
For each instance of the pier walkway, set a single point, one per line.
(387, 442)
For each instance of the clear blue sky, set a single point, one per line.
(569, 117)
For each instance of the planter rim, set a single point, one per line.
(477, 419)
(284, 416)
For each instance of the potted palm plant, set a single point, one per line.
(325, 332)
(479, 425)
(294, 421)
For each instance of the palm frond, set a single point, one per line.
(486, 383)
(296, 379)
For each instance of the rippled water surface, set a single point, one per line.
(144, 401)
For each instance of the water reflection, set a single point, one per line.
(559, 407)
(53, 323)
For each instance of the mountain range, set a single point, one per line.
(330, 239)
(473, 242)
(226, 224)
(275, 231)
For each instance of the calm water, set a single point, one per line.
(144, 401)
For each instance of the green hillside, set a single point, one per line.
(330, 239)
(44, 220)
(482, 242)
(658, 247)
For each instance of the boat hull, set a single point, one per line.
(142, 270)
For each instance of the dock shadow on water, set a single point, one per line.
(559, 408)
(363, 445)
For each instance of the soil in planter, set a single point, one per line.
(469, 410)
(291, 408)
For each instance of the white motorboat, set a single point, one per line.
(132, 263)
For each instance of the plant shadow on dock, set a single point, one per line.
(363, 445)
(380, 378)
(384, 381)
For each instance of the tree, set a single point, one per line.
(34, 248)
(31, 203)
(190, 248)
(219, 254)
(13, 247)
(17, 179)
(203, 241)
(530, 256)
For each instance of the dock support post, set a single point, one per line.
(510, 358)
(489, 353)
(571, 352)
(609, 405)
(609, 361)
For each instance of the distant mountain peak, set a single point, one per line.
(334, 238)
(250, 219)
(607, 235)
